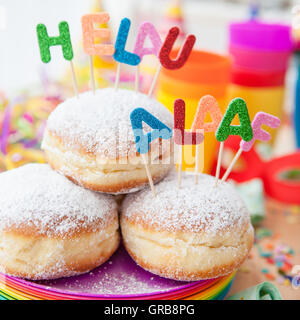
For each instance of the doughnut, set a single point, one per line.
(52, 228)
(192, 233)
(90, 141)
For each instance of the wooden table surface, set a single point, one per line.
(289, 234)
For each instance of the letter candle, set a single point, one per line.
(64, 40)
(261, 118)
(89, 34)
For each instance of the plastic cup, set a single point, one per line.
(259, 60)
(244, 77)
(260, 53)
(210, 142)
(204, 73)
(190, 89)
(261, 36)
(267, 99)
(202, 67)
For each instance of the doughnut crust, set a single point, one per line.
(192, 233)
(90, 141)
(51, 228)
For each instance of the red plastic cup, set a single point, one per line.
(244, 77)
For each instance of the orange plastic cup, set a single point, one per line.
(204, 73)
(202, 67)
(190, 89)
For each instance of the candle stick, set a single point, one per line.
(207, 104)
(220, 156)
(117, 79)
(93, 85)
(164, 54)
(181, 136)
(137, 79)
(64, 40)
(142, 141)
(234, 160)
(74, 80)
(180, 155)
(90, 34)
(121, 55)
(197, 163)
(146, 29)
(236, 107)
(149, 175)
(261, 118)
(153, 83)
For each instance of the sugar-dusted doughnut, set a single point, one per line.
(90, 140)
(192, 233)
(52, 228)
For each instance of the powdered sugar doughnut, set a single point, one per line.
(90, 140)
(50, 227)
(192, 233)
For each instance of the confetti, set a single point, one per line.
(270, 276)
(269, 246)
(280, 279)
(244, 130)
(264, 270)
(287, 282)
(120, 54)
(165, 50)
(270, 260)
(45, 42)
(5, 130)
(263, 232)
(279, 256)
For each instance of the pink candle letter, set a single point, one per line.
(258, 133)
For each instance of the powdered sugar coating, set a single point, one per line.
(36, 196)
(193, 208)
(100, 123)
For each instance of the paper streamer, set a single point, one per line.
(45, 42)
(147, 29)
(164, 54)
(181, 137)
(142, 141)
(261, 118)
(262, 291)
(90, 33)
(252, 192)
(207, 104)
(244, 130)
(120, 54)
(5, 130)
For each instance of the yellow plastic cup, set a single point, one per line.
(204, 73)
(210, 142)
(267, 99)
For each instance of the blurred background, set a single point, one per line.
(244, 48)
(207, 19)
